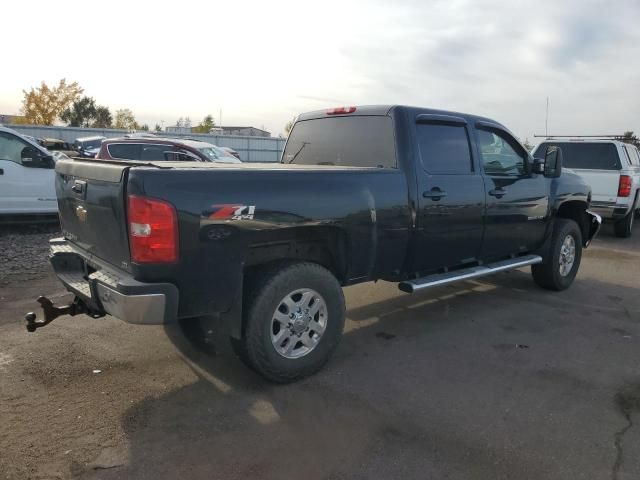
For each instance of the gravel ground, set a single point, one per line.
(24, 252)
(493, 379)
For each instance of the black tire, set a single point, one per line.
(264, 294)
(547, 274)
(623, 228)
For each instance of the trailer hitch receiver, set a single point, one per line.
(51, 312)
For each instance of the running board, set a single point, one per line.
(439, 279)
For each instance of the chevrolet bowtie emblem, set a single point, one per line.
(81, 213)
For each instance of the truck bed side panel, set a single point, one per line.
(232, 218)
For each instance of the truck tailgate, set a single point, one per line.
(92, 207)
(603, 183)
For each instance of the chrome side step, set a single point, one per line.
(439, 279)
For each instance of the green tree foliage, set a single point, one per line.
(125, 119)
(43, 105)
(85, 113)
(206, 125)
(103, 118)
(158, 128)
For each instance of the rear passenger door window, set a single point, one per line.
(500, 154)
(444, 148)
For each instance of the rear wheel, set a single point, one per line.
(563, 259)
(294, 316)
(623, 228)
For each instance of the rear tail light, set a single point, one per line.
(341, 110)
(624, 187)
(153, 230)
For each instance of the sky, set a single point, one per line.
(263, 62)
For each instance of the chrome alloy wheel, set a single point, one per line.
(298, 323)
(567, 255)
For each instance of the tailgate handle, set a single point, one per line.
(79, 187)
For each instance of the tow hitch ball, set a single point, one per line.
(52, 312)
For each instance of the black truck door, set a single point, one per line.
(451, 195)
(517, 199)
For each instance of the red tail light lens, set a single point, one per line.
(341, 110)
(624, 187)
(153, 230)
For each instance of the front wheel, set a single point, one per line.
(294, 316)
(561, 264)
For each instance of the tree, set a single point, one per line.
(187, 122)
(125, 119)
(85, 113)
(158, 128)
(43, 105)
(81, 113)
(102, 118)
(180, 122)
(629, 137)
(144, 128)
(206, 125)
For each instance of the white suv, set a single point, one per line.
(611, 168)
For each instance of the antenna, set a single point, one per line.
(546, 119)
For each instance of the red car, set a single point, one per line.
(158, 148)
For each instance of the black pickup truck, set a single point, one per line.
(410, 195)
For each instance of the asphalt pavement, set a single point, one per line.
(489, 379)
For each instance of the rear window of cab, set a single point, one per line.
(355, 141)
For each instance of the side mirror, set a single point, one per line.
(553, 162)
(551, 165)
(31, 157)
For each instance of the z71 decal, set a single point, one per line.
(230, 212)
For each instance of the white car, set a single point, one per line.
(612, 169)
(27, 176)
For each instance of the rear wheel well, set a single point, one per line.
(577, 211)
(324, 246)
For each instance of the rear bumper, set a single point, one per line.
(105, 289)
(610, 211)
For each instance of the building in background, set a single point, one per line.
(178, 129)
(245, 131)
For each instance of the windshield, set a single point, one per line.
(216, 154)
(358, 141)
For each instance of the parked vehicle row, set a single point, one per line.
(27, 164)
(410, 195)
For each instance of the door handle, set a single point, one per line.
(497, 192)
(434, 194)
